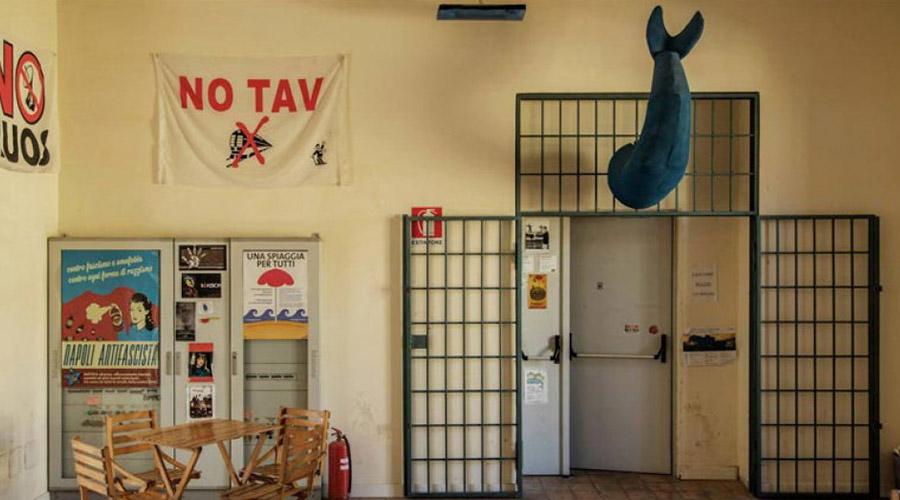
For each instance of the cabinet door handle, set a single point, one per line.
(234, 363)
(177, 363)
(168, 362)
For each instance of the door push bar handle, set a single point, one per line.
(659, 356)
(554, 356)
(663, 346)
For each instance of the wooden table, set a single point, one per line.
(194, 436)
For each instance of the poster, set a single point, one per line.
(110, 318)
(29, 127)
(705, 284)
(201, 401)
(202, 258)
(200, 362)
(709, 346)
(536, 386)
(275, 294)
(537, 235)
(537, 291)
(201, 285)
(252, 122)
(427, 232)
(185, 321)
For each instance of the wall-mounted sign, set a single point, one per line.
(201, 285)
(110, 318)
(537, 235)
(29, 126)
(710, 346)
(185, 321)
(202, 257)
(255, 122)
(537, 291)
(705, 283)
(275, 294)
(425, 231)
(535, 386)
(200, 362)
(201, 401)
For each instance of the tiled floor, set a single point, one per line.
(618, 485)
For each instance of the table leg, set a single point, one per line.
(227, 459)
(188, 470)
(248, 469)
(163, 473)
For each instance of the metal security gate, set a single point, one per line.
(815, 359)
(461, 368)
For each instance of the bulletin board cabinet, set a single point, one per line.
(190, 328)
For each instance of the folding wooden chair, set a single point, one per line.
(302, 452)
(96, 472)
(121, 439)
(299, 418)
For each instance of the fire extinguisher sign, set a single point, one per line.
(424, 230)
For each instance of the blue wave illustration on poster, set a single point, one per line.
(298, 316)
(254, 316)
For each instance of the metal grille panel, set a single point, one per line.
(461, 369)
(817, 416)
(564, 143)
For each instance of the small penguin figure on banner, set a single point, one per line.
(641, 174)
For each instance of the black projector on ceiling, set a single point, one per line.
(481, 12)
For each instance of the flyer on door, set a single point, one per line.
(275, 294)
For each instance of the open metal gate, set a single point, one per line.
(815, 358)
(461, 372)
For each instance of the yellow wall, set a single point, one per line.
(432, 110)
(28, 215)
(710, 428)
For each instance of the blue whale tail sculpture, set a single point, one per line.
(643, 173)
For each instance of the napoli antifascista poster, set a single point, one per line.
(110, 318)
(29, 129)
(275, 294)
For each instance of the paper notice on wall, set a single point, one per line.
(537, 236)
(536, 386)
(527, 264)
(705, 283)
(547, 263)
(709, 346)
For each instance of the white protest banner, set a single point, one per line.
(254, 122)
(29, 128)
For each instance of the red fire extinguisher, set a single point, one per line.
(340, 475)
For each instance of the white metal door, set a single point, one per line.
(267, 373)
(95, 286)
(544, 366)
(621, 316)
(201, 345)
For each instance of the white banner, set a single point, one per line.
(262, 123)
(29, 128)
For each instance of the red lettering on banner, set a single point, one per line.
(212, 94)
(7, 80)
(283, 97)
(309, 102)
(258, 84)
(195, 93)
